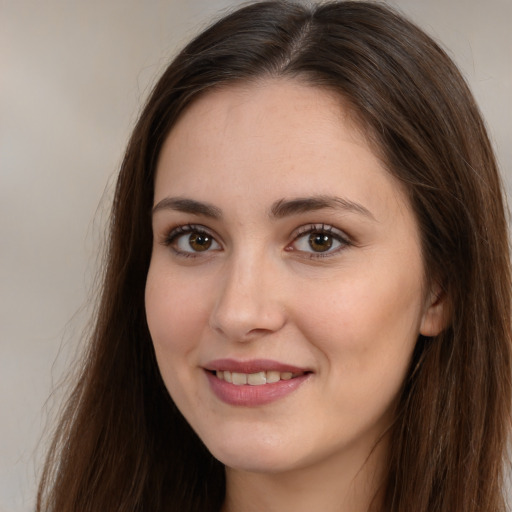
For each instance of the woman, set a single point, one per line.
(306, 303)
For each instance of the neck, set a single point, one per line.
(349, 485)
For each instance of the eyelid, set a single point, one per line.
(343, 239)
(183, 229)
(341, 236)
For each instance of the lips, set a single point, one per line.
(255, 382)
(252, 366)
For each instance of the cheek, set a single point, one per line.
(365, 328)
(173, 310)
(366, 341)
(176, 320)
(171, 319)
(358, 310)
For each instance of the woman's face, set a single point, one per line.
(284, 256)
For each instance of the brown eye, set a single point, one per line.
(189, 240)
(320, 242)
(200, 242)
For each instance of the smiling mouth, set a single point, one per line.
(256, 379)
(254, 383)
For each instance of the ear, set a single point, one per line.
(436, 315)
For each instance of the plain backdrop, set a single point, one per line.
(73, 75)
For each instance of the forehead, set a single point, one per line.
(281, 137)
(271, 105)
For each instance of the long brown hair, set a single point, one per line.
(123, 446)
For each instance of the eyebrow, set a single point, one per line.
(188, 206)
(280, 209)
(284, 208)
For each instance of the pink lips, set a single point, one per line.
(247, 395)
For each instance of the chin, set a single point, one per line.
(256, 462)
(266, 454)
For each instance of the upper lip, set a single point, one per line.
(252, 366)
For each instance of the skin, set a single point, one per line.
(350, 314)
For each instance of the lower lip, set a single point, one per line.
(252, 396)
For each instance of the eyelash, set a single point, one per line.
(178, 231)
(320, 229)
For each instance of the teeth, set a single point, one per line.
(239, 379)
(254, 379)
(273, 377)
(257, 379)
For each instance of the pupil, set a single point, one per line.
(319, 242)
(199, 242)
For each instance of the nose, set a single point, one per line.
(249, 304)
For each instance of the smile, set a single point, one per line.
(253, 383)
(255, 379)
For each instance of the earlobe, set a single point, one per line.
(436, 315)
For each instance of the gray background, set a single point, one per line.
(73, 76)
